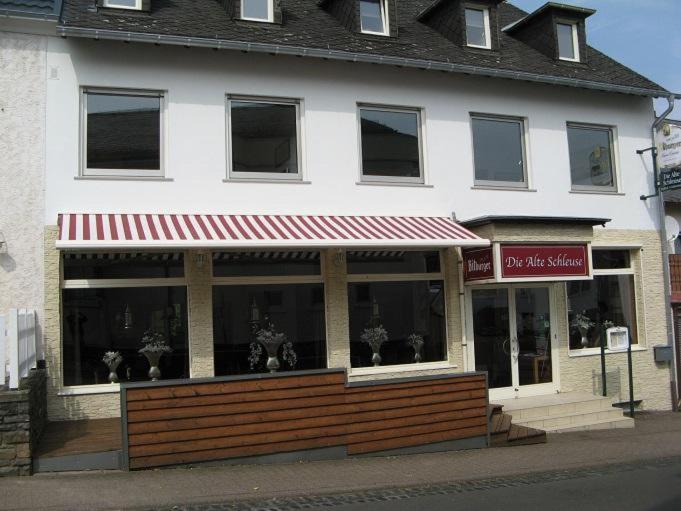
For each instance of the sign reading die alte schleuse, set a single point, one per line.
(668, 138)
(509, 262)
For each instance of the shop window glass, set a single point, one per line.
(96, 321)
(499, 152)
(404, 311)
(591, 157)
(607, 300)
(264, 139)
(123, 265)
(247, 264)
(294, 310)
(123, 133)
(372, 262)
(611, 259)
(391, 146)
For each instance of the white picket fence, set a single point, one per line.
(18, 333)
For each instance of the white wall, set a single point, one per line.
(22, 132)
(197, 80)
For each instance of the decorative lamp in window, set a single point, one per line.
(134, 5)
(374, 17)
(391, 147)
(477, 27)
(499, 151)
(568, 41)
(257, 10)
(592, 162)
(122, 133)
(265, 138)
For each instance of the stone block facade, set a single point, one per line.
(23, 415)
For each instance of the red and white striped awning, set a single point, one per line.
(135, 231)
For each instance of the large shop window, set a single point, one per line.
(265, 138)
(592, 157)
(110, 302)
(268, 305)
(391, 144)
(122, 133)
(606, 301)
(499, 151)
(397, 308)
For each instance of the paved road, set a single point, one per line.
(653, 485)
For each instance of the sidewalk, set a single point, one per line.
(655, 436)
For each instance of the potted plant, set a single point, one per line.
(272, 340)
(583, 323)
(416, 341)
(375, 337)
(112, 359)
(155, 345)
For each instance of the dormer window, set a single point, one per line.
(477, 27)
(374, 16)
(135, 5)
(257, 10)
(568, 43)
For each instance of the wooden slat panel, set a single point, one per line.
(209, 421)
(279, 415)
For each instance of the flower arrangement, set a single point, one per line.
(374, 337)
(271, 340)
(608, 324)
(582, 321)
(112, 358)
(154, 342)
(416, 341)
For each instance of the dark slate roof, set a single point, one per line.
(48, 9)
(307, 25)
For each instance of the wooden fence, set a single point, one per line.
(189, 421)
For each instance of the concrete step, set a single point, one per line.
(528, 408)
(621, 422)
(579, 418)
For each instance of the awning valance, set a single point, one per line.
(135, 231)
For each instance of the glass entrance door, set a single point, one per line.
(512, 339)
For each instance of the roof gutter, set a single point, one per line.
(29, 15)
(328, 54)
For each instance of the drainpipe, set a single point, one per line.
(665, 255)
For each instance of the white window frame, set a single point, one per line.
(360, 278)
(270, 13)
(110, 388)
(122, 173)
(384, 17)
(488, 32)
(112, 4)
(524, 142)
(300, 143)
(639, 346)
(575, 40)
(420, 115)
(614, 158)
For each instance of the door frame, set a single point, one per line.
(516, 390)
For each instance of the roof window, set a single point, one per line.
(373, 16)
(568, 42)
(257, 10)
(477, 27)
(134, 5)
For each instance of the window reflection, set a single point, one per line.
(498, 149)
(591, 162)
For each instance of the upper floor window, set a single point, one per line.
(499, 151)
(257, 10)
(122, 133)
(391, 144)
(591, 157)
(265, 140)
(123, 4)
(373, 16)
(568, 42)
(477, 27)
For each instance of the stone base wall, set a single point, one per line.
(23, 415)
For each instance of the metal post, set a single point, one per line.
(631, 380)
(604, 382)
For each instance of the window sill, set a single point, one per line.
(503, 188)
(85, 390)
(123, 178)
(268, 181)
(598, 192)
(393, 183)
(367, 371)
(593, 352)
